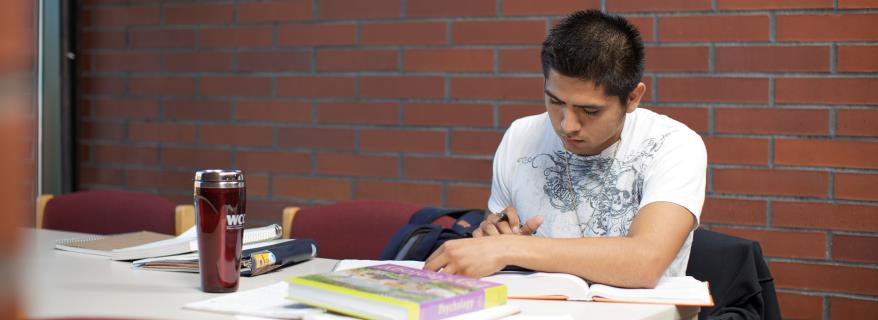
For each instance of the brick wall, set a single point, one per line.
(330, 100)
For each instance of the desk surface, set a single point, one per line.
(64, 284)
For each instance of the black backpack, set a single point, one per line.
(418, 239)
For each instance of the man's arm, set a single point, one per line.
(637, 260)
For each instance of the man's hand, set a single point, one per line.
(507, 222)
(471, 257)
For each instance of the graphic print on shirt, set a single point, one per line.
(604, 193)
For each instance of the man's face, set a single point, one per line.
(584, 117)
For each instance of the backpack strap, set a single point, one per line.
(429, 214)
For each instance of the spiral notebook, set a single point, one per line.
(104, 245)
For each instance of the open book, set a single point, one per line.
(562, 286)
(188, 242)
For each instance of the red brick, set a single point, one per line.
(236, 135)
(236, 86)
(676, 59)
(658, 6)
(127, 62)
(312, 188)
(344, 9)
(159, 179)
(315, 86)
(855, 248)
(785, 244)
(394, 140)
(754, 90)
(257, 185)
(317, 35)
(826, 90)
(126, 16)
(857, 58)
(274, 61)
(359, 113)
(316, 138)
(511, 112)
(773, 59)
(818, 277)
(357, 165)
(199, 14)
(278, 10)
(511, 88)
(734, 211)
(125, 154)
(161, 86)
(161, 132)
(449, 60)
(280, 111)
(856, 123)
(448, 169)
(90, 130)
(520, 60)
(797, 306)
(102, 85)
(162, 39)
(237, 37)
(772, 121)
(832, 153)
(546, 7)
(198, 110)
(475, 142)
(462, 196)
(105, 176)
(196, 158)
(771, 182)
(407, 33)
(454, 115)
(425, 194)
(499, 32)
(737, 150)
(273, 162)
(450, 8)
(853, 309)
(811, 215)
(857, 4)
(102, 40)
(837, 27)
(357, 60)
(198, 61)
(693, 117)
(713, 28)
(772, 5)
(402, 87)
(128, 109)
(856, 186)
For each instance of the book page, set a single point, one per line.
(670, 290)
(269, 301)
(542, 285)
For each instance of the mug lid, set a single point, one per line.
(219, 175)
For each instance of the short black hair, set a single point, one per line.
(598, 47)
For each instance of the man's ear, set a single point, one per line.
(634, 97)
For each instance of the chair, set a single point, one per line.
(348, 230)
(111, 212)
(740, 282)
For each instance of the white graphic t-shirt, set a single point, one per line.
(657, 159)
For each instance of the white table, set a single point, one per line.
(64, 284)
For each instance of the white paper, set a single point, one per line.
(497, 312)
(269, 301)
(354, 263)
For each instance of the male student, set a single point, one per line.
(609, 192)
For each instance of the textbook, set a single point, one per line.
(187, 242)
(396, 292)
(282, 252)
(103, 245)
(561, 286)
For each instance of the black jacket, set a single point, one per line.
(740, 282)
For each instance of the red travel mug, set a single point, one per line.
(220, 200)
